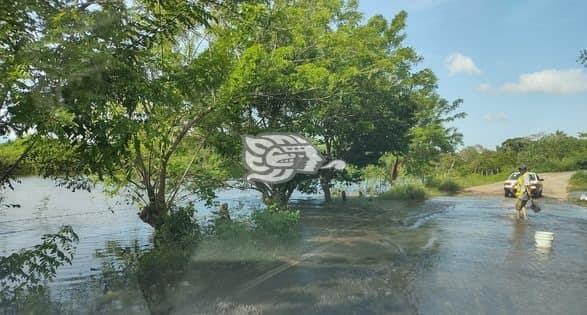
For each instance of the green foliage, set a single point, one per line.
(10, 152)
(349, 85)
(120, 85)
(153, 97)
(406, 191)
(14, 159)
(22, 274)
(179, 229)
(476, 165)
(280, 224)
(232, 230)
(480, 179)
(430, 138)
(578, 181)
(449, 185)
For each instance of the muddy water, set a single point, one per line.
(444, 256)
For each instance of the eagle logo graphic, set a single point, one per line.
(275, 158)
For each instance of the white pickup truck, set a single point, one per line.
(535, 184)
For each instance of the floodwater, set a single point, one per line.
(448, 255)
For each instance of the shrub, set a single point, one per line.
(275, 223)
(231, 230)
(180, 228)
(578, 181)
(406, 191)
(449, 185)
(432, 181)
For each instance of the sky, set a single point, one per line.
(514, 63)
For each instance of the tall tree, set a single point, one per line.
(111, 82)
(315, 68)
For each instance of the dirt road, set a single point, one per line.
(555, 186)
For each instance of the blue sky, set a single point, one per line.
(514, 63)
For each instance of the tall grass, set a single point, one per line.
(406, 191)
(478, 179)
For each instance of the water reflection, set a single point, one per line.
(543, 253)
(519, 235)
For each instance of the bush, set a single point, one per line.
(578, 181)
(275, 223)
(432, 181)
(231, 230)
(406, 191)
(449, 185)
(180, 228)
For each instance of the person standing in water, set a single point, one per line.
(522, 193)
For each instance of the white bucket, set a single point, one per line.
(544, 239)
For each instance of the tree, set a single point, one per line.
(111, 83)
(278, 73)
(430, 137)
(312, 67)
(20, 22)
(371, 113)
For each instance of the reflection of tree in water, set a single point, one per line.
(131, 275)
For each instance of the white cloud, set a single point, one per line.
(458, 62)
(496, 117)
(484, 87)
(552, 81)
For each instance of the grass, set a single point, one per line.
(406, 191)
(578, 181)
(477, 179)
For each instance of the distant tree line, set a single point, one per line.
(547, 153)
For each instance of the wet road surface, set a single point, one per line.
(445, 256)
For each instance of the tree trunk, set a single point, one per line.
(395, 169)
(325, 179)
(154, 213)
(276, 195)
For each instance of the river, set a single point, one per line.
(447, 255)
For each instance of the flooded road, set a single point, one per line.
(444, 256)
(448, 255)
